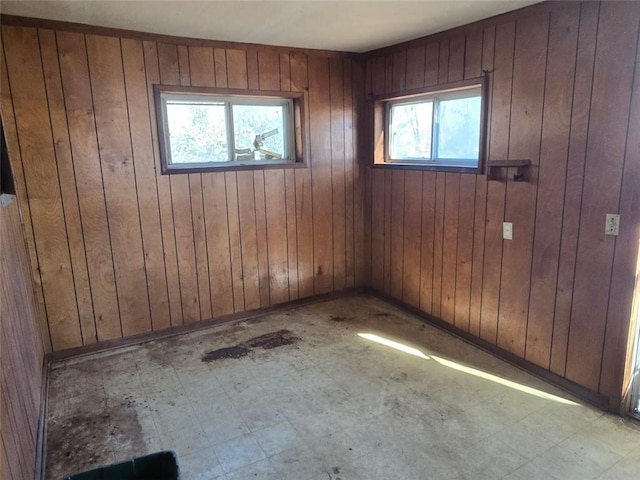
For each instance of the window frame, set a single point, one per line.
(382, 105)
(295, 144)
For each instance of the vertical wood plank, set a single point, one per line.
(181, 202)
(619, 333)
(60, 137)
(163, 185)
(220, 210)
(473, 58)
(427, 241)
(377, 230)
(450, 236)
(292, 233)
(220, 64)
(456, 58)
(438, 242)
(336, 95)
(563, 37)
(303, 192)
(145, 174)
(74, 71)
(431, 63)
(399, 72)
(412, 229)
(39, 162)
(273, 199)
(582, 86)
(236, 68)
(276, 204)
(498, 149)
(387, 223)
(247, 219)
(396, 233)
(524, 142)
(443, 61)
(15, 159)
(183, 65)
(320, 121)
(236, 266)
(415, 67)
(350, 179)
(231, 70)
(610, 103)
(114, 144)
(464, 253)
(475, 307)
(201, 245)
(168, 64)
(197, 69)
(259, 193)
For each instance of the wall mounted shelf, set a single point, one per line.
(521, 167)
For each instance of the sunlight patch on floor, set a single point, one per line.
(465, 369)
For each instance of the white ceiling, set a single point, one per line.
(354, 26)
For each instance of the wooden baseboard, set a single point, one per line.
(172, 331)
(596, 399)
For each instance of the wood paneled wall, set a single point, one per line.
(21, 353)
(565, 93)
(119, 249)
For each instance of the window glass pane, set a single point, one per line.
(197, 132)
(259, 132)
(410, 131)
(459, 129)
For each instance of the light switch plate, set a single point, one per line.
(613, 224)
(507, 230)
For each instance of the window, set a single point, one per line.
(440, 128)
(208, 129)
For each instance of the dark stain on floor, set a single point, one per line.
(335, 318)
(267, 341)
(273, 340)
(87, 441)
(228, 352)
(382, 314)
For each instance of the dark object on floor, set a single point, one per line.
(157, 466)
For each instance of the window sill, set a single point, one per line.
(231, 167)
(429, 167)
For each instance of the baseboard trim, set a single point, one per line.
(62, 355)
(596, 399)
(40, 463)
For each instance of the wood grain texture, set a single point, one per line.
(574, 182)
(120, 249)
(118, 174)
(167, 225)
(617, 32)
(563, 36)
(524, 142)
(26, 80)
(208, 244)
(11, 138)
(146, 185)
(21, 352)
(559, 294)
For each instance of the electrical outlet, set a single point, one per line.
(507, 230)
(613, 224)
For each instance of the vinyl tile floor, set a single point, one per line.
(350, 388)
